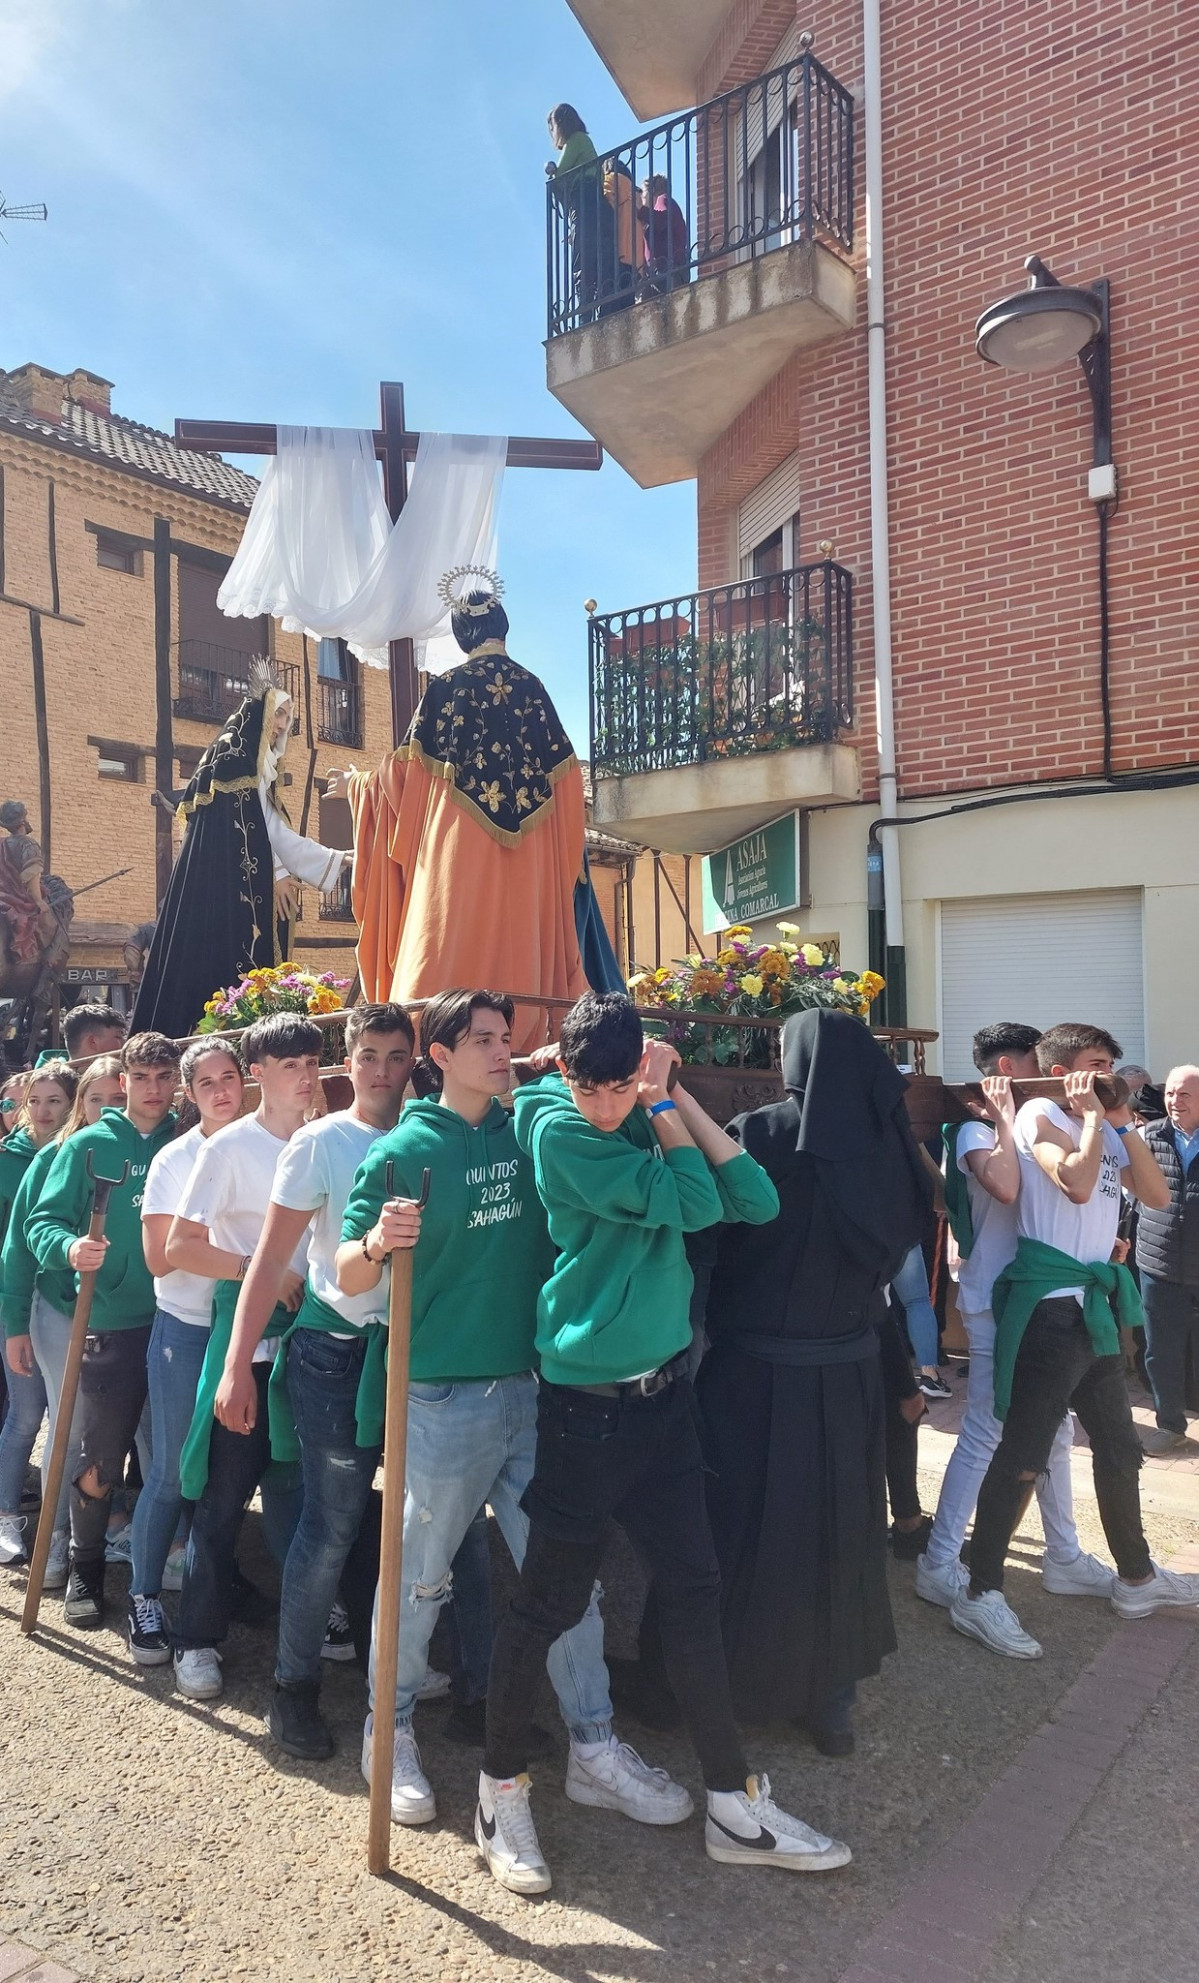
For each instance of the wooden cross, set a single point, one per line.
(395, 446)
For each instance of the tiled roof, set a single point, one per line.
(126, 444)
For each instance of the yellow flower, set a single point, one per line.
(642, 978)
(739, 929)
(870, 984)
(840, 984)
(813, 956)
(752, 984)
(727, 957)
(787, 929)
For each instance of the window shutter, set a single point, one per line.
(773, 503)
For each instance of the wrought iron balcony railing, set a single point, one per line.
(339, 712)
(336, 906)
(769, 164)
(213, 680)
(758, 666)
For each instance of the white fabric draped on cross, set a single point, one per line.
(320, 553)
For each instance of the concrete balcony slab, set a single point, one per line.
(696, 808)
(653, 53)
(658, 383)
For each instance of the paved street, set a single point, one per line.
(1011, 1823)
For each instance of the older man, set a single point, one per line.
(1168, 1258)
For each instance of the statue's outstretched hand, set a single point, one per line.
(337, 786)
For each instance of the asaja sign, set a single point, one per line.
(759, 875)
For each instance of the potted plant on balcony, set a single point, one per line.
(724, 1013)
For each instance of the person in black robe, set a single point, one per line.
(791, 1391)
(222, 915)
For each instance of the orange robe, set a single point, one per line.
(468, 842)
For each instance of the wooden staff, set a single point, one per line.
(66, 1402)
(391, 1546)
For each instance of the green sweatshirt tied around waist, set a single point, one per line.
(1036, 1273)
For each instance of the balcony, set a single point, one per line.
(714, 713)
(214, 680)
(335, 904)
(339, 713)
(653, 53)
(685, 268)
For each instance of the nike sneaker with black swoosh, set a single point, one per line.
(746, 1828)
(506, 1835)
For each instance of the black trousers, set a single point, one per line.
(1057, 1371)
(638, 1462)
(112, 1395)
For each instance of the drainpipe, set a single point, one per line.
(880, 531)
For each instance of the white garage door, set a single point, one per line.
(1041, 959)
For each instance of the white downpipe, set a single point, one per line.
(880, 526)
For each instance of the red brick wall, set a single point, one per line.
(1010, 127)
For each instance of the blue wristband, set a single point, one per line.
(659, 1106)
(1123, 1129)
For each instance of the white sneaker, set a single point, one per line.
(58, 1563)
(507, 1837)
(412, 1799)
(119, 1546)
(1085, 1577)
(198, 1673)
(434, 1687)
(1169, 1590)
(13, 1553)
(172, 1576)
(746, 1828)
(939, 1583)
(618, 1780)
(991, 1620)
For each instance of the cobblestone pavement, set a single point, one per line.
(1011, 1823)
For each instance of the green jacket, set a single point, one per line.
(19, 1274)
(1032, 1276)
(616, 1303)
(124, 1297)
(17, 1152)
(193, 1460)
(957, 1194)
(483, 1250)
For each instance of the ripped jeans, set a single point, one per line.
(471, 1443)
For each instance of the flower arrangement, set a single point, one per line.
(748, 981)
(282, 988)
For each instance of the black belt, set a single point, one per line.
(641, 1387)
(806, 1351)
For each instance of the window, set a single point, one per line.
(116, 760)
(333, 661)
(117, 553)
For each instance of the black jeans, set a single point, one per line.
(1056, 1370)
(112, 1394)
(635, 1461)
(237, 1462)
(1171, 1324)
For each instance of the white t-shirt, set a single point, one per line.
(1086, 1232)
(229, 1191)
(187, 1296)
(994, 1226)
(316, 1174)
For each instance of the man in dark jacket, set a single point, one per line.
(1168, 1259)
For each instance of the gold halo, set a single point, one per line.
(491, 581)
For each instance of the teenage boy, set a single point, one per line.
(481, 1257)
(1057, 1345)
(327, 1352)
(624, 1169)
(983, 1184)
(89, 1030)
(214, 1233)
(112, 1378)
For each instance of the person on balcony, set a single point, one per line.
(232, 890)
(667, 245)
(577, 185)
(618, 277)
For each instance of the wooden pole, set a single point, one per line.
(66, 1405)
(391, 1548)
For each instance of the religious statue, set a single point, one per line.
(35, 916)
(233, 888)
(469, 840)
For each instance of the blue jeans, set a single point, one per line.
(468, 1444)
(910, 1286)
(173, 1363)
(1171, 1321)
(322, 1384)
(26, 1404)
(50, 1334)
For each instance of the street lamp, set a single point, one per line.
(1045, 326)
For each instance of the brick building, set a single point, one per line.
(118, 668)
(1045, 865)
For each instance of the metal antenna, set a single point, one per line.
(34, 210)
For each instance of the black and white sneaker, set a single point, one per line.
(339, 1639)
(14, 1554)
(146, 1627)
(84, 1600)
(507, 1837)
(933, 1385)
(746, 1828)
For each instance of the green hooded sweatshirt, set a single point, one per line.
(483, 1251)
(616, 1304)
(124, 1297)
(19, 1274)
(17, 1152)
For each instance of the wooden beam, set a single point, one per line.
(42, 726)
(164, 743)
(52, 533)
(250, 437)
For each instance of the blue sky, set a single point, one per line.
(260, 208)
